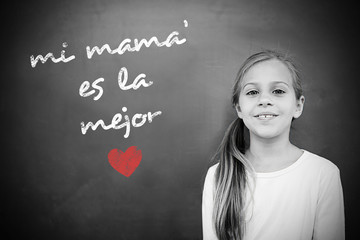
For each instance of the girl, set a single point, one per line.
(267, 188)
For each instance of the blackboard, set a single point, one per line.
(58, 182)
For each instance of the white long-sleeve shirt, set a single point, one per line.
(301, 202)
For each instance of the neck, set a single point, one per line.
(270, 154)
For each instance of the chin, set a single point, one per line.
(266, 134)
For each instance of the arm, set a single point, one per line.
(207, 206)
(330, 219)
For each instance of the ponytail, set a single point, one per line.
(230, 182)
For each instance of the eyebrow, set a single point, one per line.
(274, 82)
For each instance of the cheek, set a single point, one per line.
(288, 107)
(245, 104)
(243, 110)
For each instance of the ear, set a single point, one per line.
(299, 107)
(238, 111)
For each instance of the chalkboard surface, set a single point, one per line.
(169, 102)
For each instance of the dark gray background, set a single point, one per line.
(58, 184)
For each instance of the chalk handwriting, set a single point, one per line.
(122, 80)
(43, 59)
(117, 119)
(125, 45)
(138, 82)
(86, 85)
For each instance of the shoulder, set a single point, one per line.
(210, 176)
(213, 168)
(319, 161)
(320, 165)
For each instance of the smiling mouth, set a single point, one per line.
(266, 116)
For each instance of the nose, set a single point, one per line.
(265, 100)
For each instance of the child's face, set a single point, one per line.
(267, 101)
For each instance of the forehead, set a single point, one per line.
(267, 72)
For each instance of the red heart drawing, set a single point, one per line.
(125, 162)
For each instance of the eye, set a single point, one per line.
(252, 92)
(278, 91)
